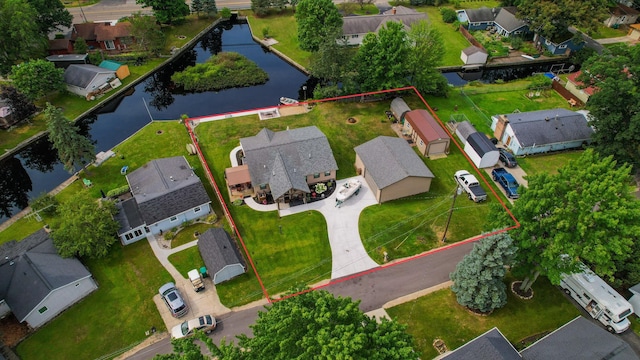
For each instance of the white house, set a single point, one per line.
(473, 55)
(220, 255)
(36, 283)
(541, 131)
(165, 193)
(82, 79)
(621, 15)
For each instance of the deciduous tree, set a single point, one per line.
(551, 18)
(316, 19)
(52, 15)
(74, 150)
(260, 7)
(86, 226)
(21, 107)
(478, 278)
(37, 78)
(425, 56)
(20, 37)
(147, 33)
(80, 46)
(166, 11)
(331, 63)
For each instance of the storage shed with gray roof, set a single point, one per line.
(36, 283)
(482, 152)
(220, 255)
(399, 108)
(392, 169)
(283, 164)
(82, 79)
(166, 192)
(542, 131)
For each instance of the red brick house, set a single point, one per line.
(104, 36)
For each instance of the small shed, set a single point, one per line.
(220, 255)
(426, 133)
(463, 130)
(64, 60)
(122, 70)
(634, 32)
(482, 152)
(399, 108)
(473, 55)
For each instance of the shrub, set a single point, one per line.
(169, 235)
(212, 218)
(540, 82)
(117, 191)
(516, 42)
(448, 15)
(265, 32)
(44, 203)
(225, 13)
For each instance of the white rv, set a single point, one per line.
(599, 299)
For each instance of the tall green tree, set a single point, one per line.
(425, 56)
(52, 15)
(86, 226)
(316, 19)
(478, 278)
(586, 213)
(331, 62)
(197, 6)
(20, 37)
(551, 18)
(74, 150)
(260, 7)
(37, 78)
(614, 109)
(21, 107)
(148, 35)
(166, 11)
(209, 7)
(80, 46)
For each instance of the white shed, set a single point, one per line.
(463, 130)
(473, 55)
(220, 255)
(481, 150)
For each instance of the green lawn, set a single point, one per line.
(186, 235)
(438, 315)
(454, 42)
(113, 317)
(607, 32)
(549, 163)
(187, 260)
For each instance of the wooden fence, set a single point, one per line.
(470, 38)
(572, 99)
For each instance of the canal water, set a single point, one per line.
(36, 169)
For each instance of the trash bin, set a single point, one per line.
(203, 272)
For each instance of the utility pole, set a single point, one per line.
(453, 203)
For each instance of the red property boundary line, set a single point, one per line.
(227, 213)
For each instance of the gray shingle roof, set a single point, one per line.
(34, 271)
(472, 50)
(283, 159)
(390, 159)
(482, 14)
(508, 20)
(549, 127)
(491, 345)
(218, 250)
(579, 339)
(81, 75)
(165, 187)
(464, 129)
(128, 215)
(480, 143)
(366, 24)
(399, 107)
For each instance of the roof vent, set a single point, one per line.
(273, 172)
(309, 155)
(546, 119)
(11, 263)
(171, 178)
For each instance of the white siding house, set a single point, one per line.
(82, 79)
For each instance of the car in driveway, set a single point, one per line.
(507, 158)
(171, 297)
(206, 323)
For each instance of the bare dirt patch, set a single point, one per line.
(11, 331)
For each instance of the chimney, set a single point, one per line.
(501, 125)
(309, 155)
(393, 10)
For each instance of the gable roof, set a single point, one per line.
(60, 44)
(491, 345)
(390, 159)
(165, 187)
(507, 19)
(399, 106)
(237, 175)
(464, 129)
(621, 10)
(549, 127)
(34, 269)
(106, 31)
(85, 31)
(472, 50)
(579, 339)
(482, 14)
(372, 23)
(218, 250)
(81, 75)
(128, 215)
(573, 78)
(481, 144)
(425, 125)
(283, 159)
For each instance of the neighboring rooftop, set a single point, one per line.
(491, 345)
(218, 250)
(549, 126)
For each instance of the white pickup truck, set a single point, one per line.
(470, 185)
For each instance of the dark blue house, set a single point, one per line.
(480, 19)
(564, 45)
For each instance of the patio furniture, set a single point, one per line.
(124, 169)
(87, 182)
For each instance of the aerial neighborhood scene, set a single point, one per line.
(317, 179)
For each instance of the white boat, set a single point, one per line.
(348, 189)
(288, 101)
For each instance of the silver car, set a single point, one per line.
(206, 323)
(172, 298)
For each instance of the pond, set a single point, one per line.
(36, 168)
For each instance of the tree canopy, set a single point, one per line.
(425, 56)
(37, 78)
(86, 226)
(614, 109)
(148, 35)
(73, 148)
(20, 37)
(317, 19)
(166, 11)
(551, 18)
(52, 15)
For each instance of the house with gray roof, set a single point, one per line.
(392, 169)
(82, 79)
(284, 164)
(220, 255)
(507, 24)
(355, 28)
(165, 193)
(491, 345)
(480, 19)
(541, 131)
(37, 284)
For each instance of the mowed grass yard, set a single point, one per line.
(439, 316)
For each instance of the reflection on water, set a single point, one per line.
(490, 75)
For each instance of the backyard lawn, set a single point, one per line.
(548, 163)
(438, 315)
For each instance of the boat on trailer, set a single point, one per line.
(288, 101)
(347, 190)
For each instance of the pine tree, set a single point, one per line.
(73, 148)
(209, 7)
(197, 6)
(477, 280)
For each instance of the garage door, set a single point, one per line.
(437, 148)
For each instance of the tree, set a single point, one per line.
(15, 184)
(551, 18)
(166, 11)
(86, 227)
(73, 148)
(37, 78)
(614, 109)
(260, 7)
(52, 15)
(331, 63)
(317, 19)
(448, 15)
(362, 3)
(425, 56)
(80, 46)
(147, 33)
(20, 37)
(586, 213)
(209, 7)
(478, 278)
(21, 107)
(197, 6)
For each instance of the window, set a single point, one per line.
(355, 36)
(173, 218)
(421, 143)
(263, 186)
(547, 42)
(128, 236)
(197, 209)
(78, 284)
(316, 175)
(109, 45)
(327, 173)
(562, 47)
(43, 310)
(137, 232)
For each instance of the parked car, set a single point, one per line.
(507, 181)
(206, 323)
(470, 185)
(171, 297)
(507, 158)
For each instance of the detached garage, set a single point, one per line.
(392, 169)
(482, 152)
(220, 255)
(426, 133)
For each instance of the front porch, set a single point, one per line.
(319, 191)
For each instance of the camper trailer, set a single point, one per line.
(599, 299)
